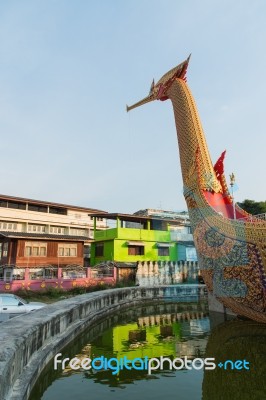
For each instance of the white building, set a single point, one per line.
(42, 217)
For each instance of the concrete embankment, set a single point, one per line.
(29, 342)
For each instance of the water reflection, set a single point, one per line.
(237, 340)
(169, 330)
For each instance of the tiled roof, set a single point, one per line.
(48, 203)
(134, 218)
(27, 235)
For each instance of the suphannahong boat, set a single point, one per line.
(231, 244)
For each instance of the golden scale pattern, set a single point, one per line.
(198, 175)
(187, 120)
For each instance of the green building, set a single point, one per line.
(133, 238)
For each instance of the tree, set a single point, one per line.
(253, 207)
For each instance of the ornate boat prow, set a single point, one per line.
(231, 245)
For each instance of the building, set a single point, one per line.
(180, 230)
(155, 247)
(39, 238)
(132, 238)
(128, 241)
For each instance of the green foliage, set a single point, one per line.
(77, 290)
(48, 295)
(125, 283)
(25, 294)
(51, 294)
(253, 207)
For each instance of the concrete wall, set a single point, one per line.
(59, 282)
(218, 312)
(29, 342)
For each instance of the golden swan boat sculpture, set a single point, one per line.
(231, 244)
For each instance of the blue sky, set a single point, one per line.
(68, 68)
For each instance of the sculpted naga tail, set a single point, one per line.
(231, 244)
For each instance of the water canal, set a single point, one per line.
(183, 330)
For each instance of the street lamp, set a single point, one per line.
(232, 183)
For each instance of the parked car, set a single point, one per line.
(12, 304)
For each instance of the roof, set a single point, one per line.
(164, 214)
(47, 236)
(134, 218)
(48, 203)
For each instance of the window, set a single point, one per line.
(27, 251)
(135, 250)
(35, 249)
(9, 301)
(3, 203)
(191, 254)
(57, 210)
(158, 225)
(134, 225)
(36, 228)
(57, 229)
(13, 204)
(99, 249)
(67, 250)
(5, 249)
(78, 232)
(73, 252)
(163, 251)
(10, 226)
(37, 208)
(42, 251)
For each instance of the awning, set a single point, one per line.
(163, 244)
(135, 244)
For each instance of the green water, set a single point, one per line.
(169, 330)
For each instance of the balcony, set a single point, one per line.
(133, 234)
(181, 236)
